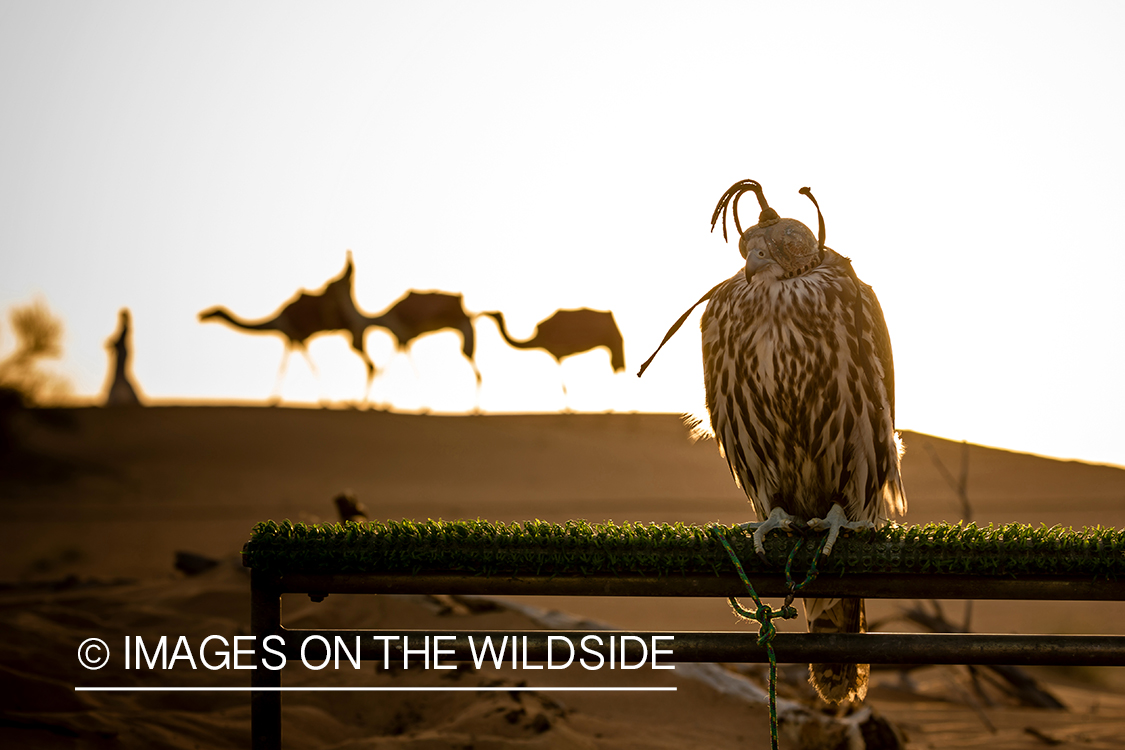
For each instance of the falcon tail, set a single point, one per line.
(839, 682)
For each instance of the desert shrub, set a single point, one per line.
(39, 337)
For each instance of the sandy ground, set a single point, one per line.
(91, 530)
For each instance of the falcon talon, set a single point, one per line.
(778, 519)
(835, 521)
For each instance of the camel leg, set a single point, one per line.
(370, 374)
(357, 347)
(305, 353)
(413, 366)
(275, 394)
(476, 398)
(468, 347)
(418, 379)
(566, 394)
(370, 380)
(385, 404)
(476, 373)
(316, 374)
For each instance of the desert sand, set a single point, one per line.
(108, 496)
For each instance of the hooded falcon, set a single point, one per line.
(800, 391)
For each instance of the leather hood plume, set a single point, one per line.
(789, 241)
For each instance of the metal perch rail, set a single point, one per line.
(938, 561)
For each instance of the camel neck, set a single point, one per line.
(258, 325)
(528, 344)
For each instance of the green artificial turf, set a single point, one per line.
(582, 548)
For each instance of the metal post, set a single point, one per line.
(265, 705)
(864, 585)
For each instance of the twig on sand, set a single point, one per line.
(960, 486)
(968, 699)
(1013, 681)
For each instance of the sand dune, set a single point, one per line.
(124, 489)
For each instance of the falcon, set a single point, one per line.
(800, 391)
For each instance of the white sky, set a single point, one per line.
(535, 156)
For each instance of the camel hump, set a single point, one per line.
(432, 303)
(342, 284)
(309, 314)
(421, 312)
(574, 331)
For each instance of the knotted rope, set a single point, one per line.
(764, 614)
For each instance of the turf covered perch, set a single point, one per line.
(578, 558)
(1003, 561)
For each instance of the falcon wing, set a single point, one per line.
(882, 339)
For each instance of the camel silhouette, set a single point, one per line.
(306, 315)
(419, 313)
(569, 332)
(333, 310)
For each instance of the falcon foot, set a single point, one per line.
(778, 519)
(832, 523)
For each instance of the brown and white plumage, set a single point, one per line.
(800, 391)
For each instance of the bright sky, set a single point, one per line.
(168, 157)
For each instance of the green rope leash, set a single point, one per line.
(764, 614)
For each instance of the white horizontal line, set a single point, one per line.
(368, 689)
